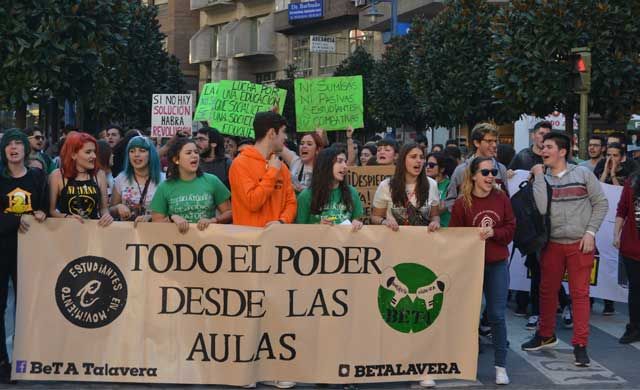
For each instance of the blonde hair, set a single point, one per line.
(466, 188)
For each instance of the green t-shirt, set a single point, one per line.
(192, 200)
(445, 215)
(334, 208)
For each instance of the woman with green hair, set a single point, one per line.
(134, 187)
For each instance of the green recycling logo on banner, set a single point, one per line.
(410, 297)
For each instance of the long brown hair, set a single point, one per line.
(466, 189)
(397, 184)
(323, 178)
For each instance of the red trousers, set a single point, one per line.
(555, 259)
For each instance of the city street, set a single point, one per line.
(613, 366)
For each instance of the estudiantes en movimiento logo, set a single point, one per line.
(410, 297)
(91, 292)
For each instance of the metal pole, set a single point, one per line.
(394, 17)
(584, 132)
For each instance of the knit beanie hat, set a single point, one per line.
(10, 135)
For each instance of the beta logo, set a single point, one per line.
(91, 292)
(410, 297)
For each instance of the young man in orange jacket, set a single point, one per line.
(261, 189)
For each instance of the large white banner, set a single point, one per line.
(605, 280)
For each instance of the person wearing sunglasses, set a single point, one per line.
(485, 142)
(436, 168)
(483, 205)
(36, 144)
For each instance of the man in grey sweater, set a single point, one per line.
(484, 137)
(578, 206)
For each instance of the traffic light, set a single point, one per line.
(581, 62)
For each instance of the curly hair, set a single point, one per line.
(173, 173)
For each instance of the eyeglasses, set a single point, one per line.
(486, 172)
(201, 139)
(490, 141)
(37, 137)
(431, 164)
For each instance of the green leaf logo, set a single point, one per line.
(410, 297)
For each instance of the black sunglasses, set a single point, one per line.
(431, 164)
(486, 172)
(38, 137)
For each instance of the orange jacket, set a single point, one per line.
(260, 194)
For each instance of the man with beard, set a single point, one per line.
(212, 154)
(36, 144)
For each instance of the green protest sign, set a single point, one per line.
(330, 103)
(204, 111)
(236, 103)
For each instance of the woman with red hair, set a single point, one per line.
(79, 188)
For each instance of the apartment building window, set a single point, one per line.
(360, 38)
(301, 55)
(330, 61)
(163, 6)
(215, 30)
(266, 78)
(282, 5)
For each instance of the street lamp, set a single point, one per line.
(374, 14)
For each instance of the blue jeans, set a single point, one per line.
(496, 288)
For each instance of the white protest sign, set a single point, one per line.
(171, 113)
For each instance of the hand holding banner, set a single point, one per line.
(235, 305)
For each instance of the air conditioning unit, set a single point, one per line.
(359, 3)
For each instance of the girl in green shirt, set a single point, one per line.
(189, 195)
(435, 167)
(330, 200)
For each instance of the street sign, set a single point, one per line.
(307, 10)
(322, 44)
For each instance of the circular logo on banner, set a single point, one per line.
(410, 297)
(91, 292)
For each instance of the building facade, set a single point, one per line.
(256, 40)
(179, 24)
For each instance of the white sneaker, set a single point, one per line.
(501, 376)
(280, 384)
(427, 383)
(250, 386)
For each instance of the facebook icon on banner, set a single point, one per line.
(21, 366)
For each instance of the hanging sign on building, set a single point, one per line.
(305, 10)
(171, 113)
(322, 44)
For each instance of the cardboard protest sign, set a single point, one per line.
(366, 179)
(235, 305)
(204, 110)
(329, 103)
(236, 103)
(170, 114)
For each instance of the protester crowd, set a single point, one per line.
(207, 178)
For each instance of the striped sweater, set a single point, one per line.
(578, 203)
